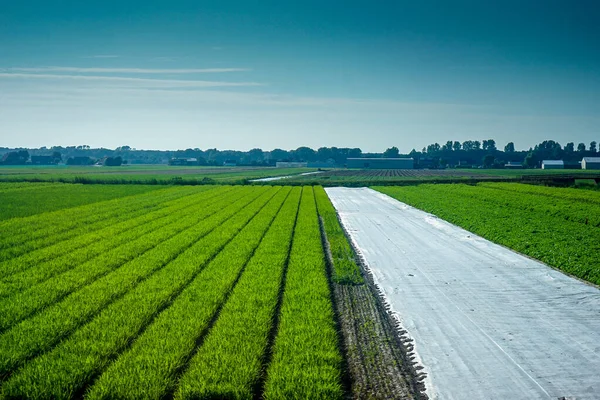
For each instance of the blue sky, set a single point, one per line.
(243, 74)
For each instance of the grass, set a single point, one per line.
(146, 174)
(345, 269)
(306, 361)
(173, 336)
(230, 362)
(21, 203)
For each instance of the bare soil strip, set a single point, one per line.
(486, 322)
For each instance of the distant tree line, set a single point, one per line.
(485, 153)
(465, 154)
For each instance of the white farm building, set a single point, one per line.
(553, 164)
(590, 163)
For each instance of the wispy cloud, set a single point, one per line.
(125, 70)
(149, 83)
(103, 56)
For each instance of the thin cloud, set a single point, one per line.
(136, 81)
(126, 70)
(103, 56)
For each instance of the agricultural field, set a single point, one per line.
(145, 174)
(221, 291)
(365, 177)
(559, 226)
(24, 199)
(187, 292)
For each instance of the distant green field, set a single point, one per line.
(149, 174)
(364, 177)
(23, 199)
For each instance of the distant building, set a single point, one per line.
(183, 161)
(43, 160)
(286, 164)
(590, 163)
(513, 165)
(553, 164)
(381, 163)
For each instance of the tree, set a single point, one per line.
(279, 155)
(15, 157)
(570, 147)
(581, 147)
(113, 161)
(433, 148)
(593, 147)
(304, 154)
(529, 160)
(489, 145)
(509, 148)
(392, 152)
(476, 145)
(57, 157)
(256, 155)
(354, 153)
(456, 146)
(447, 146)
(23, 155)
(488, 160)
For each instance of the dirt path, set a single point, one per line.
(486, 322)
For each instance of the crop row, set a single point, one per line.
(63, 255)
(21, 235)
(306, 360)
(55, 197)
(568, 245)
(231, 360)
(173, 336)
(345, 269)
(581, 212)
(65, 370)
(9, 187)
(60, 318)
(570, 194)
(224, 294)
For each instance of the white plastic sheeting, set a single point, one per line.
(487, 323)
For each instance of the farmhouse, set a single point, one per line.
(287, 164)
(381, 163)
(553, 164)
(590, 163)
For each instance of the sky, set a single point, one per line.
(282, 74)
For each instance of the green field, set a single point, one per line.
(191, 292)
(142, 174)
(23, 199)
(559, 226)
(391, 177)
(221, 291)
